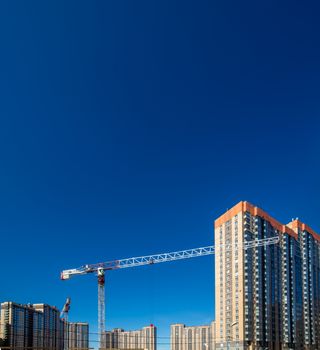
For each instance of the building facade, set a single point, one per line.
(39, 327)
(16, 325)
(308, 286)
(192, 338)
(144, 339)
(77, 336)
(53, 327)
(266, 297)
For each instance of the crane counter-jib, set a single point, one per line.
(66, 274)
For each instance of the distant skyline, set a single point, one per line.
(128, 127)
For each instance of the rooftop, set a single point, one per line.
(290, 228)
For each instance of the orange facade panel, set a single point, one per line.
(244, 206)
(296, 224)
(238, 208)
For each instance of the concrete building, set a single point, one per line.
(145, 338)
(266, 297)
(192, 338)
(77, 336)
(304, 301)
(16, 325)
(53, 327)
(39, 327)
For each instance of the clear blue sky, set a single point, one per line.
(127, 127)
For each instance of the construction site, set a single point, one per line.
(263, 300)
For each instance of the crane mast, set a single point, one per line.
(101, 304)
(100, 268)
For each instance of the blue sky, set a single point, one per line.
(127, 127)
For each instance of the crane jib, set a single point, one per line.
(167, 257)
(150, 260)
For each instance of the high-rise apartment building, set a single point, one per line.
(307, 286)
(77, 336)
(39, 327)
(17, 329)
(192, 338)
(144, 339)
(53, 327)
(266, 297)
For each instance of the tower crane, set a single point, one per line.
(100, 268)
(65, 310)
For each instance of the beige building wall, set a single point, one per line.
(76, 336)
(14, 329)
(53, 326)
(27, 326)
(145, 338)
(192, 337)
(229, 279)
(258, 290)
(39, 326)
